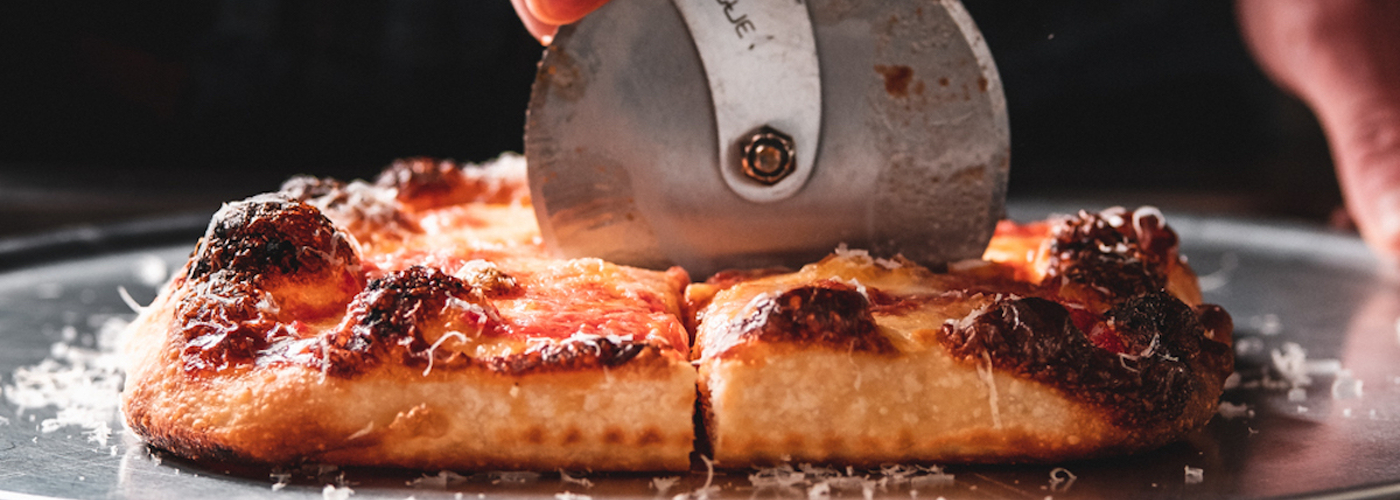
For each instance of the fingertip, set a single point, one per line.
(561, 12)
(1379, 224)
(542, 31)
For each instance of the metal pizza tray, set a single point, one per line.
(1309, 297)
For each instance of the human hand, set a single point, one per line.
(544, 17)
(1342, 57)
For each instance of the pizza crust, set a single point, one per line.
(418, 322)
(772, 405)
(375, 339)
(857, 360)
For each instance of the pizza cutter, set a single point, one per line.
(717, 134)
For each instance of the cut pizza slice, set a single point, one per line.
(414, 322)
(1075, 338)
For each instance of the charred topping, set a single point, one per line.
(1112, 254)
(571, 355)
(827, 313)
(1152, 382)
(392, 312)
(225, 323)
(357, 205)
(390, 315)
(268, 236)
(424, 183)
(304, 187)
(252, 249)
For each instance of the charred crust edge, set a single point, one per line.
(573, 355)
(1036, 339)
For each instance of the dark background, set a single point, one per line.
(119, 109)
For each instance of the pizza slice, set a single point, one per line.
(417, 322)
(1080, 337)
(414, 322)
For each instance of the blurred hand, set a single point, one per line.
(1342, 57)
(544, 17)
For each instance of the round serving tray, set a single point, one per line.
(1313, 299)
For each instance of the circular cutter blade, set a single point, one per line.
(912, 159)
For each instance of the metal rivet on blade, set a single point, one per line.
(769, 155)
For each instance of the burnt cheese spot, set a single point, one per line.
(262, 259)
(1113, 254)
(573, 355)
(828, 313)
(270, 236)
(1166, 361)
(363, 208)
(423, 183)
(395, 313)
(225, 324)
(306, 188)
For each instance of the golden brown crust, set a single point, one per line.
(417, 322)
(1086, 339)
(437, 345)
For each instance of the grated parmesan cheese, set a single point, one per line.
(985, 373)
(150, 270)
(1194, 475)
(1249, 346)
(280, 480)
(846, 252)
(1231, 411)
(664, 484)
(440, 481)
(703, 492)
(1061, 479)
(1232, 381)
(1217, 280)
(568, 495)
(581, 481)
(432, 349)
(83, 384)
(131, 303)
(330, 492)
(1267, 324)
(1345, 386)
(1292, 364)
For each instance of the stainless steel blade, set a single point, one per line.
(760, 60)
(913, 156)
